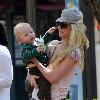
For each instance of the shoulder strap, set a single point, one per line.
(54, 50)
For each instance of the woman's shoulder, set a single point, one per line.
(54, 42)
(4, 51)
(3, 48)
(75, 53)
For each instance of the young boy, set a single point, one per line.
(26, 37)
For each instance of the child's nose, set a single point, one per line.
(31, 35)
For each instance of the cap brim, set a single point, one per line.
(60, 20)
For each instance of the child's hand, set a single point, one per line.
(51, 30)
(40, 48)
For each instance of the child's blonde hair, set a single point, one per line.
(19, 28)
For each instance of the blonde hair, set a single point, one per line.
(19, 28)
(79, 40)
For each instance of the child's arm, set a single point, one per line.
(29, 54)
(48, 35)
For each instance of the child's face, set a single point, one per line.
(26, 35)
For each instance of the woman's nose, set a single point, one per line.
(58, 27)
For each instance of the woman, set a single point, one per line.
(65, 55)
(6, 68)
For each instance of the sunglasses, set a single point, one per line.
(62, 24)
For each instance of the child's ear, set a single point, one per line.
(19, 41)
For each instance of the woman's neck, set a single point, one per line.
(64, 42)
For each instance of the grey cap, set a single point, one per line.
(71, 15)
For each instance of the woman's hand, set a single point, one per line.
(32, 80)
(30, 65)
(35, 61)
(40, 48)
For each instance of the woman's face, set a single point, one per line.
(64, 30)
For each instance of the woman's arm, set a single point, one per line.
(61, 69)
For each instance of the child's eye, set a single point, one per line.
(26, 34)
(31, 32)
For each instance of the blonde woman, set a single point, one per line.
(65, 55)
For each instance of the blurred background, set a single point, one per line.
(41, 14)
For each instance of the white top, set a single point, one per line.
(60, 89)
(6, 73)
